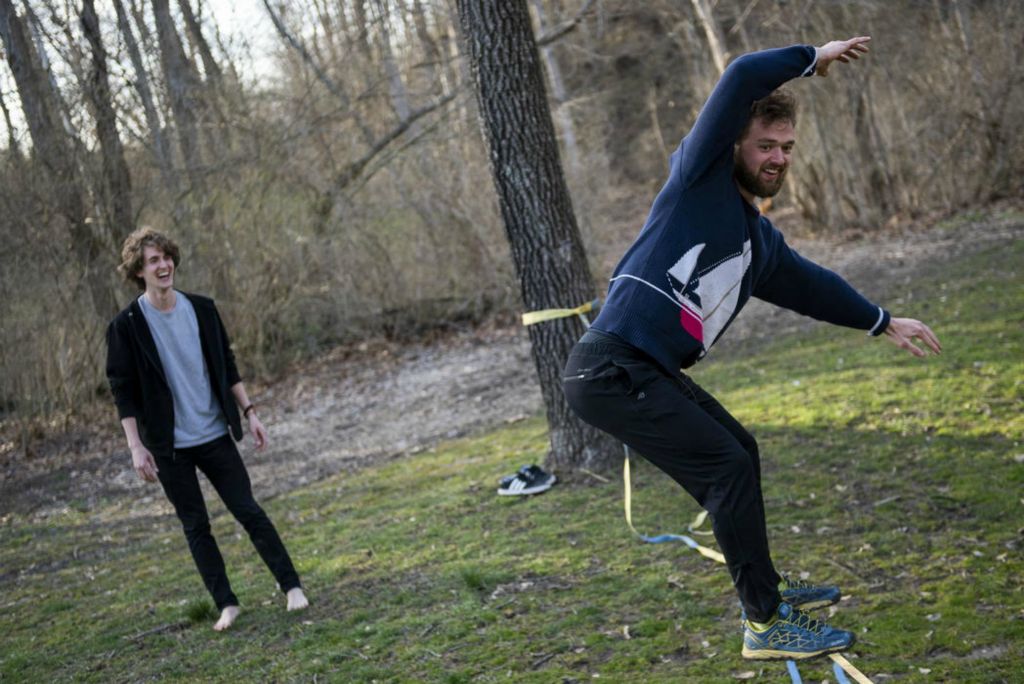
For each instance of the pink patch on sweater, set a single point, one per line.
(692, 324)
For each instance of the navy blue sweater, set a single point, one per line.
(704, 250)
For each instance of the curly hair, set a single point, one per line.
(132, 253)
(778, 105)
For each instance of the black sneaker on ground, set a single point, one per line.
(530, 479)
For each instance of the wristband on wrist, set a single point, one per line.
(245, 411)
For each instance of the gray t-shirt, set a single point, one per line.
(198, 418)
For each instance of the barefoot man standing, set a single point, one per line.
(178, 394)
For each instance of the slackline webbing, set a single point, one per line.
(839, 663)
(532, 317)
(662, 538)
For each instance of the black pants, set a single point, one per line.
(684, 431)
(223, 467)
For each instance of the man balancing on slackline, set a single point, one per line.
(179, 395)
(704, 250)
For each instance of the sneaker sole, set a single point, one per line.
(788, 655)
(529, 490)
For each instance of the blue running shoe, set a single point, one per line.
(793, 635)
(805, 596)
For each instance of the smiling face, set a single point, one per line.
(157, 269)
(762, 157)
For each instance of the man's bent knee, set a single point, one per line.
(196, 529)
(249, 515)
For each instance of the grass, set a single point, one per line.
(899, 479)
(200, 611)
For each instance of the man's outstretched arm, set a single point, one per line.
(812, 290)
(751, 77)
(747, 79)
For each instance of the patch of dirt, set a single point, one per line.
(354, 407)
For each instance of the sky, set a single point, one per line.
(243, 24)
(246, 21)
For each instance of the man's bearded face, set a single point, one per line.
(762, 157)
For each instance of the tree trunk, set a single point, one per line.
(432, 55)
(995, 151)
(535, 208)
(182, 89)
(161, 148)
(12, 138)
(359, 62)
(55, 151)
(562, 114)
(214, 95)
(116, 182)
(37, 104)
(396, 87)
(714, 35)
(213, 72)
(874, 162)
(361, 30)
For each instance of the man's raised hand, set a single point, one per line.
(841, 50)
(902, 332)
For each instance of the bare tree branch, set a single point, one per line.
(332, 87)
(565, 27)
(353, 170)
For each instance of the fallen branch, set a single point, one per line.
(543, 659)
(169, 627)
(850, 570)
(595, 475)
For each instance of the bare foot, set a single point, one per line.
(296, 599)
(227, 617)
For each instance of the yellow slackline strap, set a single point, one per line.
(697, 522)
(850, 669)
(532, 317)
(715, 556)
(661, 538)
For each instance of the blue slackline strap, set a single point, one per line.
(839, 663)
(840, 674)
(661, 538)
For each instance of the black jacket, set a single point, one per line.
(137, 378)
